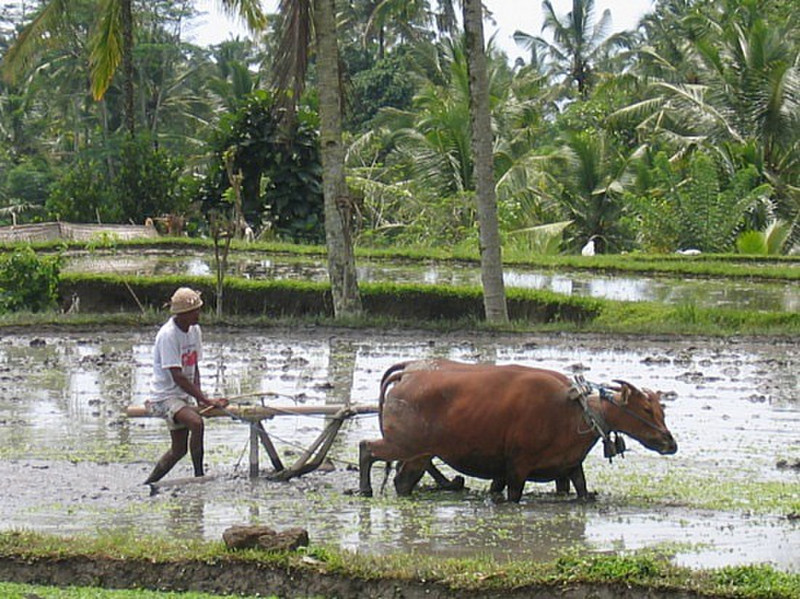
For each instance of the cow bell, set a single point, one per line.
(613, 448)
(619, 444)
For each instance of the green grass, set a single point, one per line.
(643, 569)
(387, 305)
(678, 486)
(10, 590)
(640, 318)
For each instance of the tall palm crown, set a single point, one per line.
(579, 42)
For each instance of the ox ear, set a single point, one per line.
(626, 391)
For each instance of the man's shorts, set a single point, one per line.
(166, 409)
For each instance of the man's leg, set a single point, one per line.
(193, 422)
(180, 439)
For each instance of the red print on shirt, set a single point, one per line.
(189, 358)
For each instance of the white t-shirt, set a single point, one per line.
(174, 348)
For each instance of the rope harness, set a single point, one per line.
(611, 447)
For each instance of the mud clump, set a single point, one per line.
(264, 537)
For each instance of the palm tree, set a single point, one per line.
(593, 176)
(111, 44)
(735, 93)
(579, 43)
(384, 22)
(64, 68)
(299, 17)
(426, 168)
(494, 297)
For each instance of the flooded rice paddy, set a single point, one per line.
(720, 293)
(72, 462)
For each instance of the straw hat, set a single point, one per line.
(185, 300)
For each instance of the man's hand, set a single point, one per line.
(219, 402)
(209, 404)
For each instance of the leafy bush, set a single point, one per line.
(281, 187)
(81, 195)
(695, 208)
(145, 183)
(28, 282)
(28, 182)
(769, 242)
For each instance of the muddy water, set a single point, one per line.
(73, 463)
(717, 293)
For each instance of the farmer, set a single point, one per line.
(176, 380)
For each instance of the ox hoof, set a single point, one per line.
(588, 498)
(365, 492)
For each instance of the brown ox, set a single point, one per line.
(506, 423)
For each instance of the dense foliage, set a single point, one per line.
(28, 281)
(280, 169)
(681, 134)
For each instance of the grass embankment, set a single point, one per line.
(444, 306)
(13, 590)
(648, 571)
(420, 306)
(758, 268)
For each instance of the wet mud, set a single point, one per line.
(73, 463)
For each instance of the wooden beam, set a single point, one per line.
(255, 413)
(321, 446)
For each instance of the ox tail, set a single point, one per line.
(389, 378)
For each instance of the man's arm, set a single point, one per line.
(193, 388)
(190, 387)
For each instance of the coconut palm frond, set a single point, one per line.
(44, 28)
(694, 96)
(636, 112)
(292, 54)
(106, 48)
(249, 10)
(541, 239)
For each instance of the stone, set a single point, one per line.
(287, 540)
(264, 537)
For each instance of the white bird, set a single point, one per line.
(588, 249)
(689, 252)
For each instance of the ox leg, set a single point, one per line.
(409, 474)
(515, 487)
(579, 482)
(515, 482)
(498, 486)
(443, 482)
(365, 460)
(562, 485)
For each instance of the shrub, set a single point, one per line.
(28, 282)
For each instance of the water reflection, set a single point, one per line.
(701, 292)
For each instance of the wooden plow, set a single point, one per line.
(310, 459)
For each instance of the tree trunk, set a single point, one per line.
(338, 204)
(494, 295)
(127, 64)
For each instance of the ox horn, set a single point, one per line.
(626, 390)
